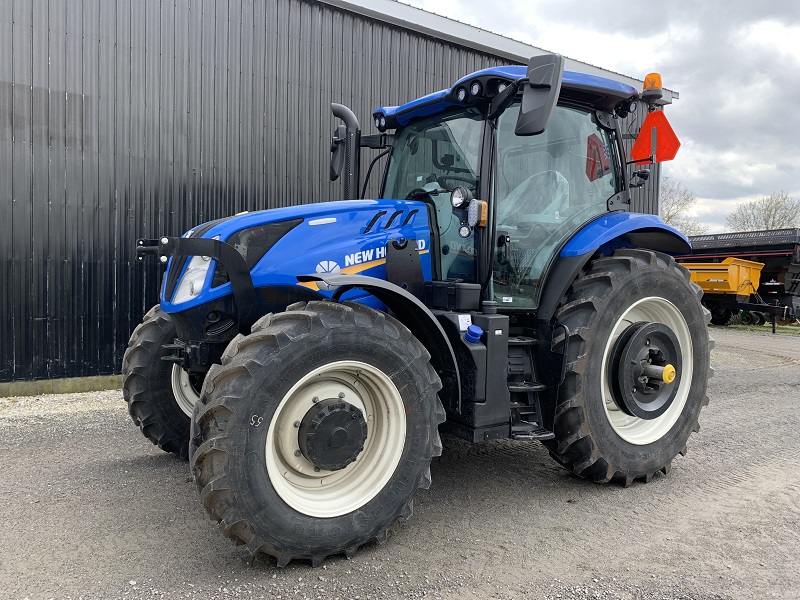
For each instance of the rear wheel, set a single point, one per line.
(160, 395)
(637, 368)
(315, 432)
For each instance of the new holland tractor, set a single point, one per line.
(305, 358)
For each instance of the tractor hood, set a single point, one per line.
(280, 244)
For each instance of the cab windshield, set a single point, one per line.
(429, 159)
(441, 150)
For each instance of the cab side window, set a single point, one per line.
(546, 187)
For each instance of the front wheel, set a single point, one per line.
(160, 395)
(315, 432)
(637, 367)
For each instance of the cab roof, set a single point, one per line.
(593, 90)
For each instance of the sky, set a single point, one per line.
(735, 64)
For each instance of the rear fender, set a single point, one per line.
(605, 234)
(413, 314)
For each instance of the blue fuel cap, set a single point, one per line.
(473, 334)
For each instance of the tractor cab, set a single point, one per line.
(511, 162)
(537, 189)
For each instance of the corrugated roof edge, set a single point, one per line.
(469, 36)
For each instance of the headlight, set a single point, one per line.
(193, 279)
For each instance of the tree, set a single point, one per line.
(779, 210)
(675, 201)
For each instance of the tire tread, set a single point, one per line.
(138, 391)
(573, 447)
(213, 450)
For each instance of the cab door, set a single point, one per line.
(545, 188)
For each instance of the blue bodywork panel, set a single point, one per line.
(611, 228)
(333, 237)
(350, 237)
(442, 100)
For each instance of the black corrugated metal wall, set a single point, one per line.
(133, 118)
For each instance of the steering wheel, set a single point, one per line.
(419, 194)
(456, 177)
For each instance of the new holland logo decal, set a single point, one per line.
(355, 262)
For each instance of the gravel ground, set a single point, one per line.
(92, 510)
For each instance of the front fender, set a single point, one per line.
(413, 314)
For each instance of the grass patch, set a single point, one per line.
(767, 327)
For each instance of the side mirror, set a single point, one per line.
(346, 149)
(540, 93)
(337, 151)
(504, 244)
(642, 175)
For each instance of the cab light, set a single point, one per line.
(478, 213)
(651, 91)
(460, 197)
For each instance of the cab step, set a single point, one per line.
(526, 386)
(522, 340)
(528, 432)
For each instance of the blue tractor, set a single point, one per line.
(305, 358)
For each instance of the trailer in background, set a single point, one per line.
(729, 257)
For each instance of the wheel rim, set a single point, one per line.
(630, 428)
(184, 390)
(321, 493)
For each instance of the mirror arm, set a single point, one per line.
(369, 170)
(503, 100)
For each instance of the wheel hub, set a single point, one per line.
(646, 370)
(332, 434)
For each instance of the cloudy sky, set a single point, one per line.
(735, 63)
